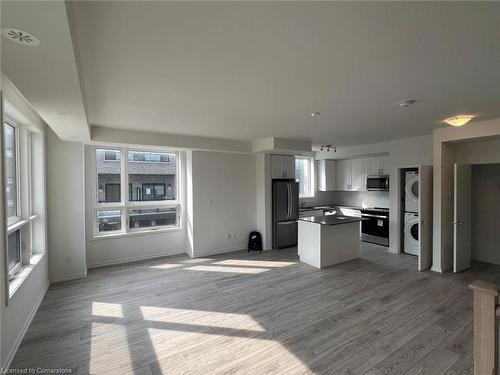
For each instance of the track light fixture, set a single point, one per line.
(328, 147)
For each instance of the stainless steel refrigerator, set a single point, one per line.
(285, 213)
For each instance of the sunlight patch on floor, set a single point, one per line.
(254, 263)
(165, 266)
(197, 260)
(227, 269)
(114, 310)
(204, 319)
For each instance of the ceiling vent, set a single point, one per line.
(20, 36)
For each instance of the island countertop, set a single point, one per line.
(332, 219)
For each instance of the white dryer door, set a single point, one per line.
(412, 193)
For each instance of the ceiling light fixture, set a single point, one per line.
(407, 102)
(315, 114)
(459, 120)
(20, 36)
(328, 147)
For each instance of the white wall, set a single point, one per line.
(264, 197)
(485, 208)
(219, 197)
(66, 212)
(113, 250)
(17, 315)
(224, 201)
(401, 153)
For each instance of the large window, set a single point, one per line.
(304, 172)
(137, 192)
(22, 223)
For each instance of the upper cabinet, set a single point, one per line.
(325, 170)
(283, 166)
(348, 174)
(343, 175)
(358, 176)
(377, 166)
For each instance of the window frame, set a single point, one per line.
(11, 220)
(125, 204)
(25, 215)
(312, 179)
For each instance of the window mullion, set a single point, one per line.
(125, 196)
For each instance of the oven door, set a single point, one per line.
(376, 225)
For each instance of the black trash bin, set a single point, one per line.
(254, 241)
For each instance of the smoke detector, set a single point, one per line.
(20, 36)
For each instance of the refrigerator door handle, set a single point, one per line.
(287, 222)
(288, 195)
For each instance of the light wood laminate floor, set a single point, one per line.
(258, 314)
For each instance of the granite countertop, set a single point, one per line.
(332, 219)
(327, 206)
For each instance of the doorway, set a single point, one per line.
(476, 220)
(416, 213)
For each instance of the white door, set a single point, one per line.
(342, 174)
(462, 218)
(356, 174)
(277, 166)
(425, 216)
(288, 166)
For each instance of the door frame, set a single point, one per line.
(400, 194)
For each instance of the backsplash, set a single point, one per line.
(349, 198)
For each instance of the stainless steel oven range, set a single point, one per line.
(376, 228)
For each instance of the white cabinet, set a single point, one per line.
(378, 166)
(357, 174)
(282, 166)
(350, 175)
(343, 175)
(325, 170)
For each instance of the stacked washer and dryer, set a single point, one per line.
(411, 207)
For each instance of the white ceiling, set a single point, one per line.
(46, 75)
(255, 69)
(248, 70)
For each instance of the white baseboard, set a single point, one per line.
(392, 250)
(75, 276)
(437, 269)
(26, 325)
(132, 259)
(220, 251)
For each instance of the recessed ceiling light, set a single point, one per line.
(315, 114)
(20, 36)
(407, 102)
(459, 120)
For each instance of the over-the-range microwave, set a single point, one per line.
(377, 183)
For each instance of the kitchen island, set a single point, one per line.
(327, 240)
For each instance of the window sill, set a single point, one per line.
(23, 274)
(132, 234)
